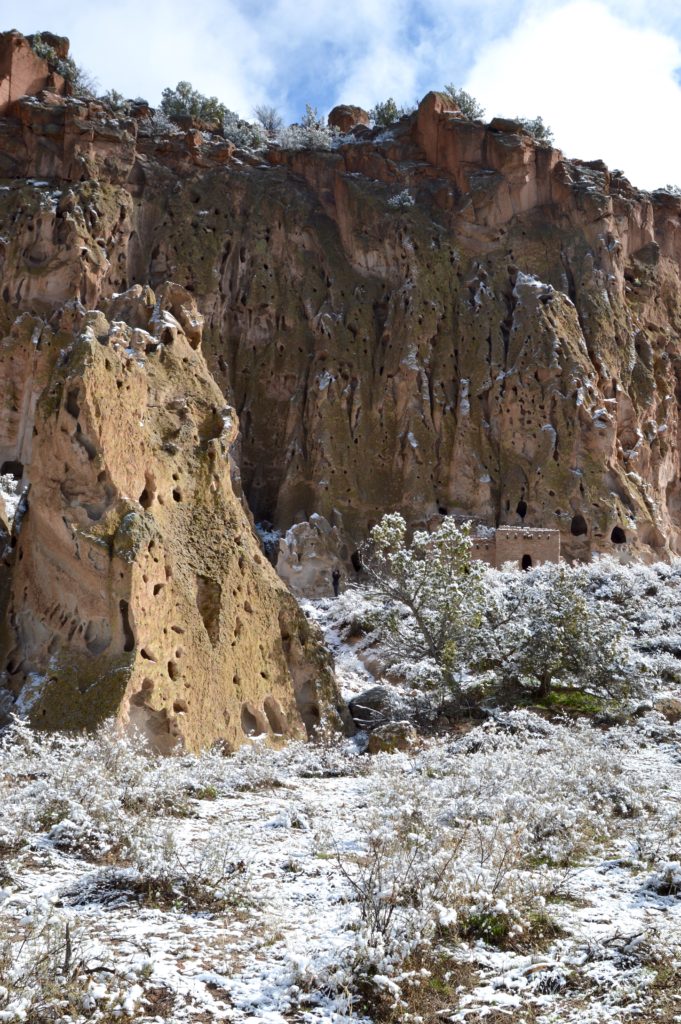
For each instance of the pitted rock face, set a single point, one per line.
(441, 317)
(138, 589)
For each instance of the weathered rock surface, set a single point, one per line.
(441, 317)
(138, 588)
(345, 117)
(444, 316)
(309, 554)
(393, 737)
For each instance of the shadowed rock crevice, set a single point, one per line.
(208, 601)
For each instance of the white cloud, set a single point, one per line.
(608, 89)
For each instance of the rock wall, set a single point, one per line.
(442, 317)
(137, 586)
(22, 72)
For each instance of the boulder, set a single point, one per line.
(670, 708)
(345, 117)
(22, 72)
(508, 125)
(308, 555)
(392, 737)
(377, 706)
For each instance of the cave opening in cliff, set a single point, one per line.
(526, 562)
(618, 536)
(12, 468)
(356, 560)
(578, 527)
(521, 508)
(128, 634)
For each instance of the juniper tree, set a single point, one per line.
(431, 592)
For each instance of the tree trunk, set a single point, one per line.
(544, 687)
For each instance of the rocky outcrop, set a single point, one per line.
(309, 554)
(22, 72)
(439, 317)
(138, 588)
(345, 117)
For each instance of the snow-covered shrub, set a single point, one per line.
(81, 81)
(207, 876)
(544, 628)
(91, 796)
(473, 841)
(388, 112)
(242, 133)
(666, 881)
(37, 965)
(431, 595)
(310, 133)
(580, 637)
(401, 878)
(159, 123)
(185, 101)
(269, 119)
(402, 201)
(48, 972)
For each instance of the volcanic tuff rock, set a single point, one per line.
(346, 117)
(22, 72)
(138, 588)
(440, 317)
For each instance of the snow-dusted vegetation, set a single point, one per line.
(601, 632)
(524, 866)
(519, 860)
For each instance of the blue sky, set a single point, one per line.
(605, 74)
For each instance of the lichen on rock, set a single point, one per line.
(138, 588)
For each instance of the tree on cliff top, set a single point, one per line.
(269, 118)
(386, 113)
(185, 101)
(467, 104)
(539, 131)
(82, 83)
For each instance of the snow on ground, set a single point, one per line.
(527, 871)
(10, 494)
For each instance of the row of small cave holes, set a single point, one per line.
(578, 526)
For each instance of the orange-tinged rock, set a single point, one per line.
(138, 589)
(345, 117)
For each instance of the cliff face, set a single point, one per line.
(132, 583)
(444, 315)
(440, 317)
(137, 586)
